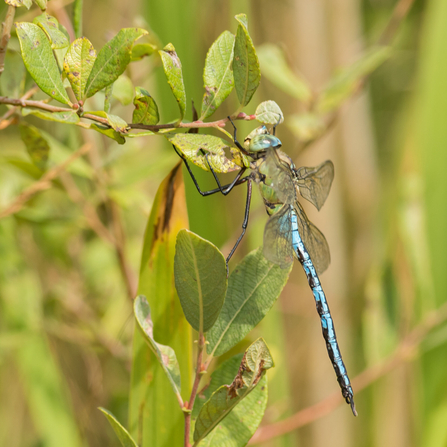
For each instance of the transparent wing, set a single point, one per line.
(314, 241)
(314, 183)
(280, 177)
(278, 246)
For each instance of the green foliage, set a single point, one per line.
(78, 64)
(19, 3)
(164, 354)
(50, 26)
(39, 60)
(112, 60)
(192, 145)
(253, 288)
(122, 434)
(257, 359)
(200, 280)
(247, 74)
(218, 74)
(146, 110)
(36, 145)
(246, 415)
(173, 71)
(268, 112)
(276, 69)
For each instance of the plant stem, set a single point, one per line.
(195, 387)
(6, 34)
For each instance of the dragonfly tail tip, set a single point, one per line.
(354, 411)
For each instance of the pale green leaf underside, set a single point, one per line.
(117, 123)
(122, 434)
(146, 110)
(218, 74)
(240, 425)
(246, 72)
(50, 26)
(276, 69)
(112, 60)
(59, 117)
(268, 112)
(39, 61)
(190, 146)
(78, 64)
(123, 90)
(164, 354)
(200, 279)
(253, 288)
(343, 85)
(257, 359)
(173, 71)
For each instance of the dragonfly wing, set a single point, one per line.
(280, 177)
(314, 241)
(278, 246)
(314, 183)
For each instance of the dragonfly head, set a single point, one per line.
(260, 143)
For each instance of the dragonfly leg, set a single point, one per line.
(245, 222)
(225, 190)
(222, 189)
(238, 145)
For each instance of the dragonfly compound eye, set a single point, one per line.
(261, 143)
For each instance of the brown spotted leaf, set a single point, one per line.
(78, 64)
(257, 359)
(191, 146)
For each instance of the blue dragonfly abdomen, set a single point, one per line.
(327, 324)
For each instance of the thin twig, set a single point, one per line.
(43, 183)
(403, 353)
(6, 35)
(13, 110)
(189, 405)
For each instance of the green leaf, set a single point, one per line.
(42, 4)
(70, 117)
(247, 75)
(140, 50)
(218, 74)
(77, 17)
(19, 3)
(190, 146)
(146, 110)
(117, 123)
(152, 405)
(12, 81)
(112, 60)
(240, 425)
(253, 288)
(164, 354)
(108, 132)
(50, 26)
(122, 434)
(200, 279)
(306, 126)
(257, 359)
(268, 112)
(173, 71)
(123, 90)
(39, 61)
(345, 84)
(36, 145)
(78, 64)
(276, 69)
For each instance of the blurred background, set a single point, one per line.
(65, 314)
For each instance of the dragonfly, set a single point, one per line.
(288, 233)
